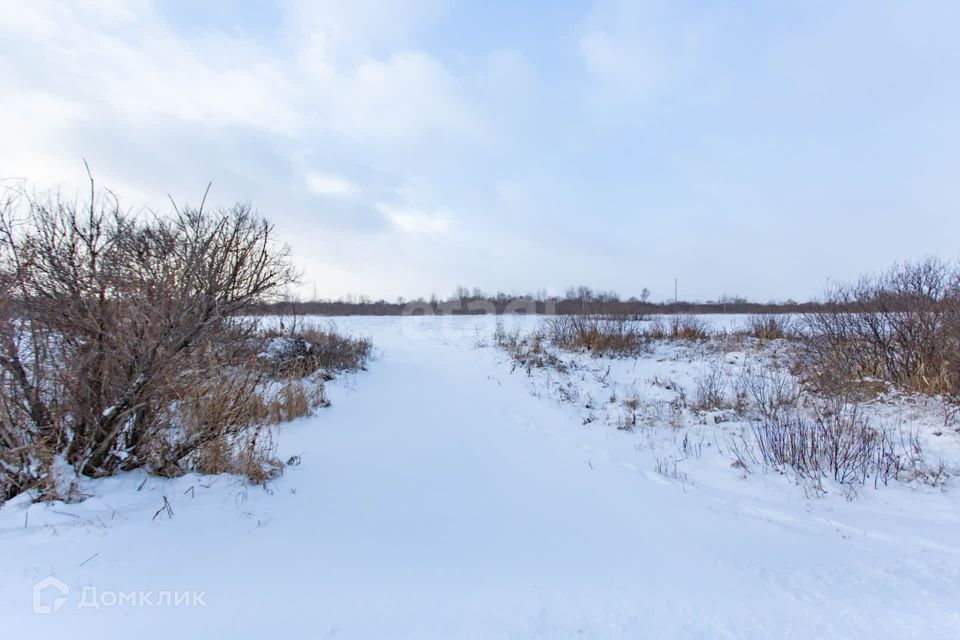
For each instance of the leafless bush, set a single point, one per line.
(765, 392)
(678, 328)
(902, 327)
(770, 327)
(833, 441)
(711, 391)
(109, 322)
(598, 334)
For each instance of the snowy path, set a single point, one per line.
(437, 498)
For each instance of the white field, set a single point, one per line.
(442, 496)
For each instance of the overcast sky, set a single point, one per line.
(404, 147)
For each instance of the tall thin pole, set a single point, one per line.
(675, 298)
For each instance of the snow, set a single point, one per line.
(442, 496)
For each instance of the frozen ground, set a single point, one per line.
(442, 496)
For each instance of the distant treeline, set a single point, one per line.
(504, 304)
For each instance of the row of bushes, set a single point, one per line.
(619, 335)
(623, 335)
(903, 330)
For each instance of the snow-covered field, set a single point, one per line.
(444, 496)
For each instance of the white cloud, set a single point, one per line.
(415, 221)
(341, 102)
(128, 64)
(32, 123)
(365, 77)
(352, 30)
(330, 185)
(404, 96)
(620, 61)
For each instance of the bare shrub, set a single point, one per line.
(711, 389)
(901, 327)
(628, 421)
(765, 391)
(770, 327)
(601, 335)
(110, 321)
(834, 441)
(678, 328)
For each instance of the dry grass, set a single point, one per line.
(301, 352)
(711, 390)
(689, 328)
(292, 399)
(528, 352)
(770, 327)
(598, 334)
(252, 456)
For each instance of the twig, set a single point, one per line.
(114, 513)
(89, 559)
(166, 507)
(205, 194)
